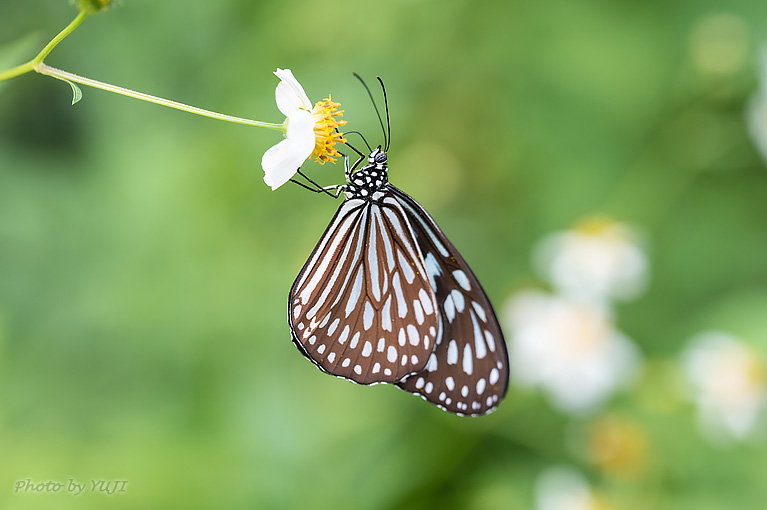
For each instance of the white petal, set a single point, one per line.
(290, 95)
(281, 161)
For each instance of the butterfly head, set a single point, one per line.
(377, 157)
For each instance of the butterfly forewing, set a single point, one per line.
(468, 371)
(361, 308)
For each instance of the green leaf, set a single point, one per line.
(77, 94)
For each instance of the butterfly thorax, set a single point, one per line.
(363, 183)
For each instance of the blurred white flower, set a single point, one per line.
(756, 112)
(598, 260)
(569, 349)
(309, 131)
(563, 488)
(728, 384)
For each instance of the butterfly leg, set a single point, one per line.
(347, 170)
(317, 188)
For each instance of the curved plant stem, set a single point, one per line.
(60, 37)
(64, 75)
(32, 64)
(37, 65)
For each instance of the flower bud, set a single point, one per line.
(93, 6)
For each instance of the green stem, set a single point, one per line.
(17, 71)
(60, 37)
(32, 64)
(63, 75)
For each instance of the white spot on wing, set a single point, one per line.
(412, 334)
(449, 308)
(457, 296)
(431, 366)
(490, 340)
(450, 383)
(333, 326)
(391, 354)
(468, 359)
(432, 269)
(494, 375)
(367, 316)
(479, 339)
(418, 311)
(344, 335)
(386, 315)
(480, 311)
(452, 352)
(462, 279)
(425, 301)
(367, 350)
(481, 385)
(407, 270)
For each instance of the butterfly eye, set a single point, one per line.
(380, 157)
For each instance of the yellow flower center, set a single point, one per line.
(595, 225)
(326, 132)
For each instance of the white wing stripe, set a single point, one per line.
(373, 259)
(479, 339)
(401, 302)
(343, 222)
(354, 296)
(390, 261)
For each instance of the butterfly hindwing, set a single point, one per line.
(468, 371)
(360, 308)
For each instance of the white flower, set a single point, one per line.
(563, 488)
(569, 349)
(756, 112)
(310, 131)
(728, 384)
(598, 260)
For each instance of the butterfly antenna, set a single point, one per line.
(388, 122)
(361, 136)
(386, 144)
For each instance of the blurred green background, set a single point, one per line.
(145, 266)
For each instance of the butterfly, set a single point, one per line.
(385, 297)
